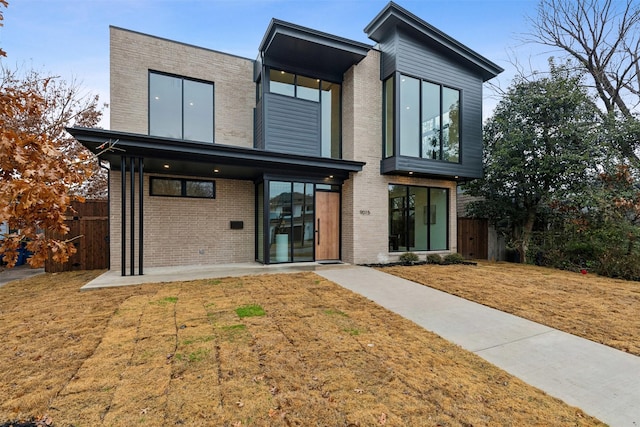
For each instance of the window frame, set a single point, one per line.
(426, 215)
(395, 131)
(182, 99)
(183, 187)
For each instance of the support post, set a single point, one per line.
(132, 163)
(123, 216)
(140, 214)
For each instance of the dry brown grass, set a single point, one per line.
(597, 308)
(178, 354)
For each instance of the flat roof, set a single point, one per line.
(291, 46)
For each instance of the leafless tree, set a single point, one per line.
(603, 36)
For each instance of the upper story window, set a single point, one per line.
(324, 92)
(180, 108)
(428, 119)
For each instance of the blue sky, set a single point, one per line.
(70, 38)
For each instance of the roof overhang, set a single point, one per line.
(296, 48)
(394, 17)
(179, 157)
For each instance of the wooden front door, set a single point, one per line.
(327, 226)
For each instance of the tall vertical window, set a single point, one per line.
(428, 119)
(418, 218)
(311, 89)
(291, 221)
(180, 108)
(388, 117)
(409, 115)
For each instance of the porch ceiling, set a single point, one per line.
(202, 159)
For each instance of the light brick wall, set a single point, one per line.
(187, 231)
(134, 54)
(365, 197)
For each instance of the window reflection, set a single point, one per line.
(418, 218)
(409, 117)
(282, 83)
(165, 106)
(180, 108)
(428, 118)
(291, 221)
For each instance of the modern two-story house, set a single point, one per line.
(321, 149)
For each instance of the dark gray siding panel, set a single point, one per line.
(258, 127)
(388, 57)
(435, 168)
(291, 125)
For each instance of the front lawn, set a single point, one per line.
(597, 308)
(272, 350)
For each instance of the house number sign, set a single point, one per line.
(365, 212)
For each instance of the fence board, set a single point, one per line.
(473, 238)
(90, 221)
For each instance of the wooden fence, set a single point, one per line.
(473, 238)
(90, 221)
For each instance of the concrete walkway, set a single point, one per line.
(600, 380)
(195, 272)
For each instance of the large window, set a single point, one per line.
(324, 92)
(418, 218)
(427, 117)
(180, 108)
(177, 187)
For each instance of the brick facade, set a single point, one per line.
(134, 54)
(190, 231)
(365, 210)
(186, 231)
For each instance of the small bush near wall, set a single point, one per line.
(409, 258)
(434, 259)
(454, 258)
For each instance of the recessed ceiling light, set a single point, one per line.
(411, 173)
(216, 170)
(330, 176)
(166, 166)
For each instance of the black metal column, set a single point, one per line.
(132, 163)
(140, 214)
(123, 216)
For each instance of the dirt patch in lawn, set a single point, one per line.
(272, 350)
(597, 308)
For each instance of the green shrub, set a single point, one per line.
(434, 259)
(454, 258)
(408, 258)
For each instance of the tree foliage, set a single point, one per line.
(603, 38)
(42, 168)
(539, 146)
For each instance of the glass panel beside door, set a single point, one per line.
(291, 222)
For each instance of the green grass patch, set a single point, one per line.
(214, 282)
(332, 312)
(353, 331)
(165, 301)
(194, 356)
(252, 310)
